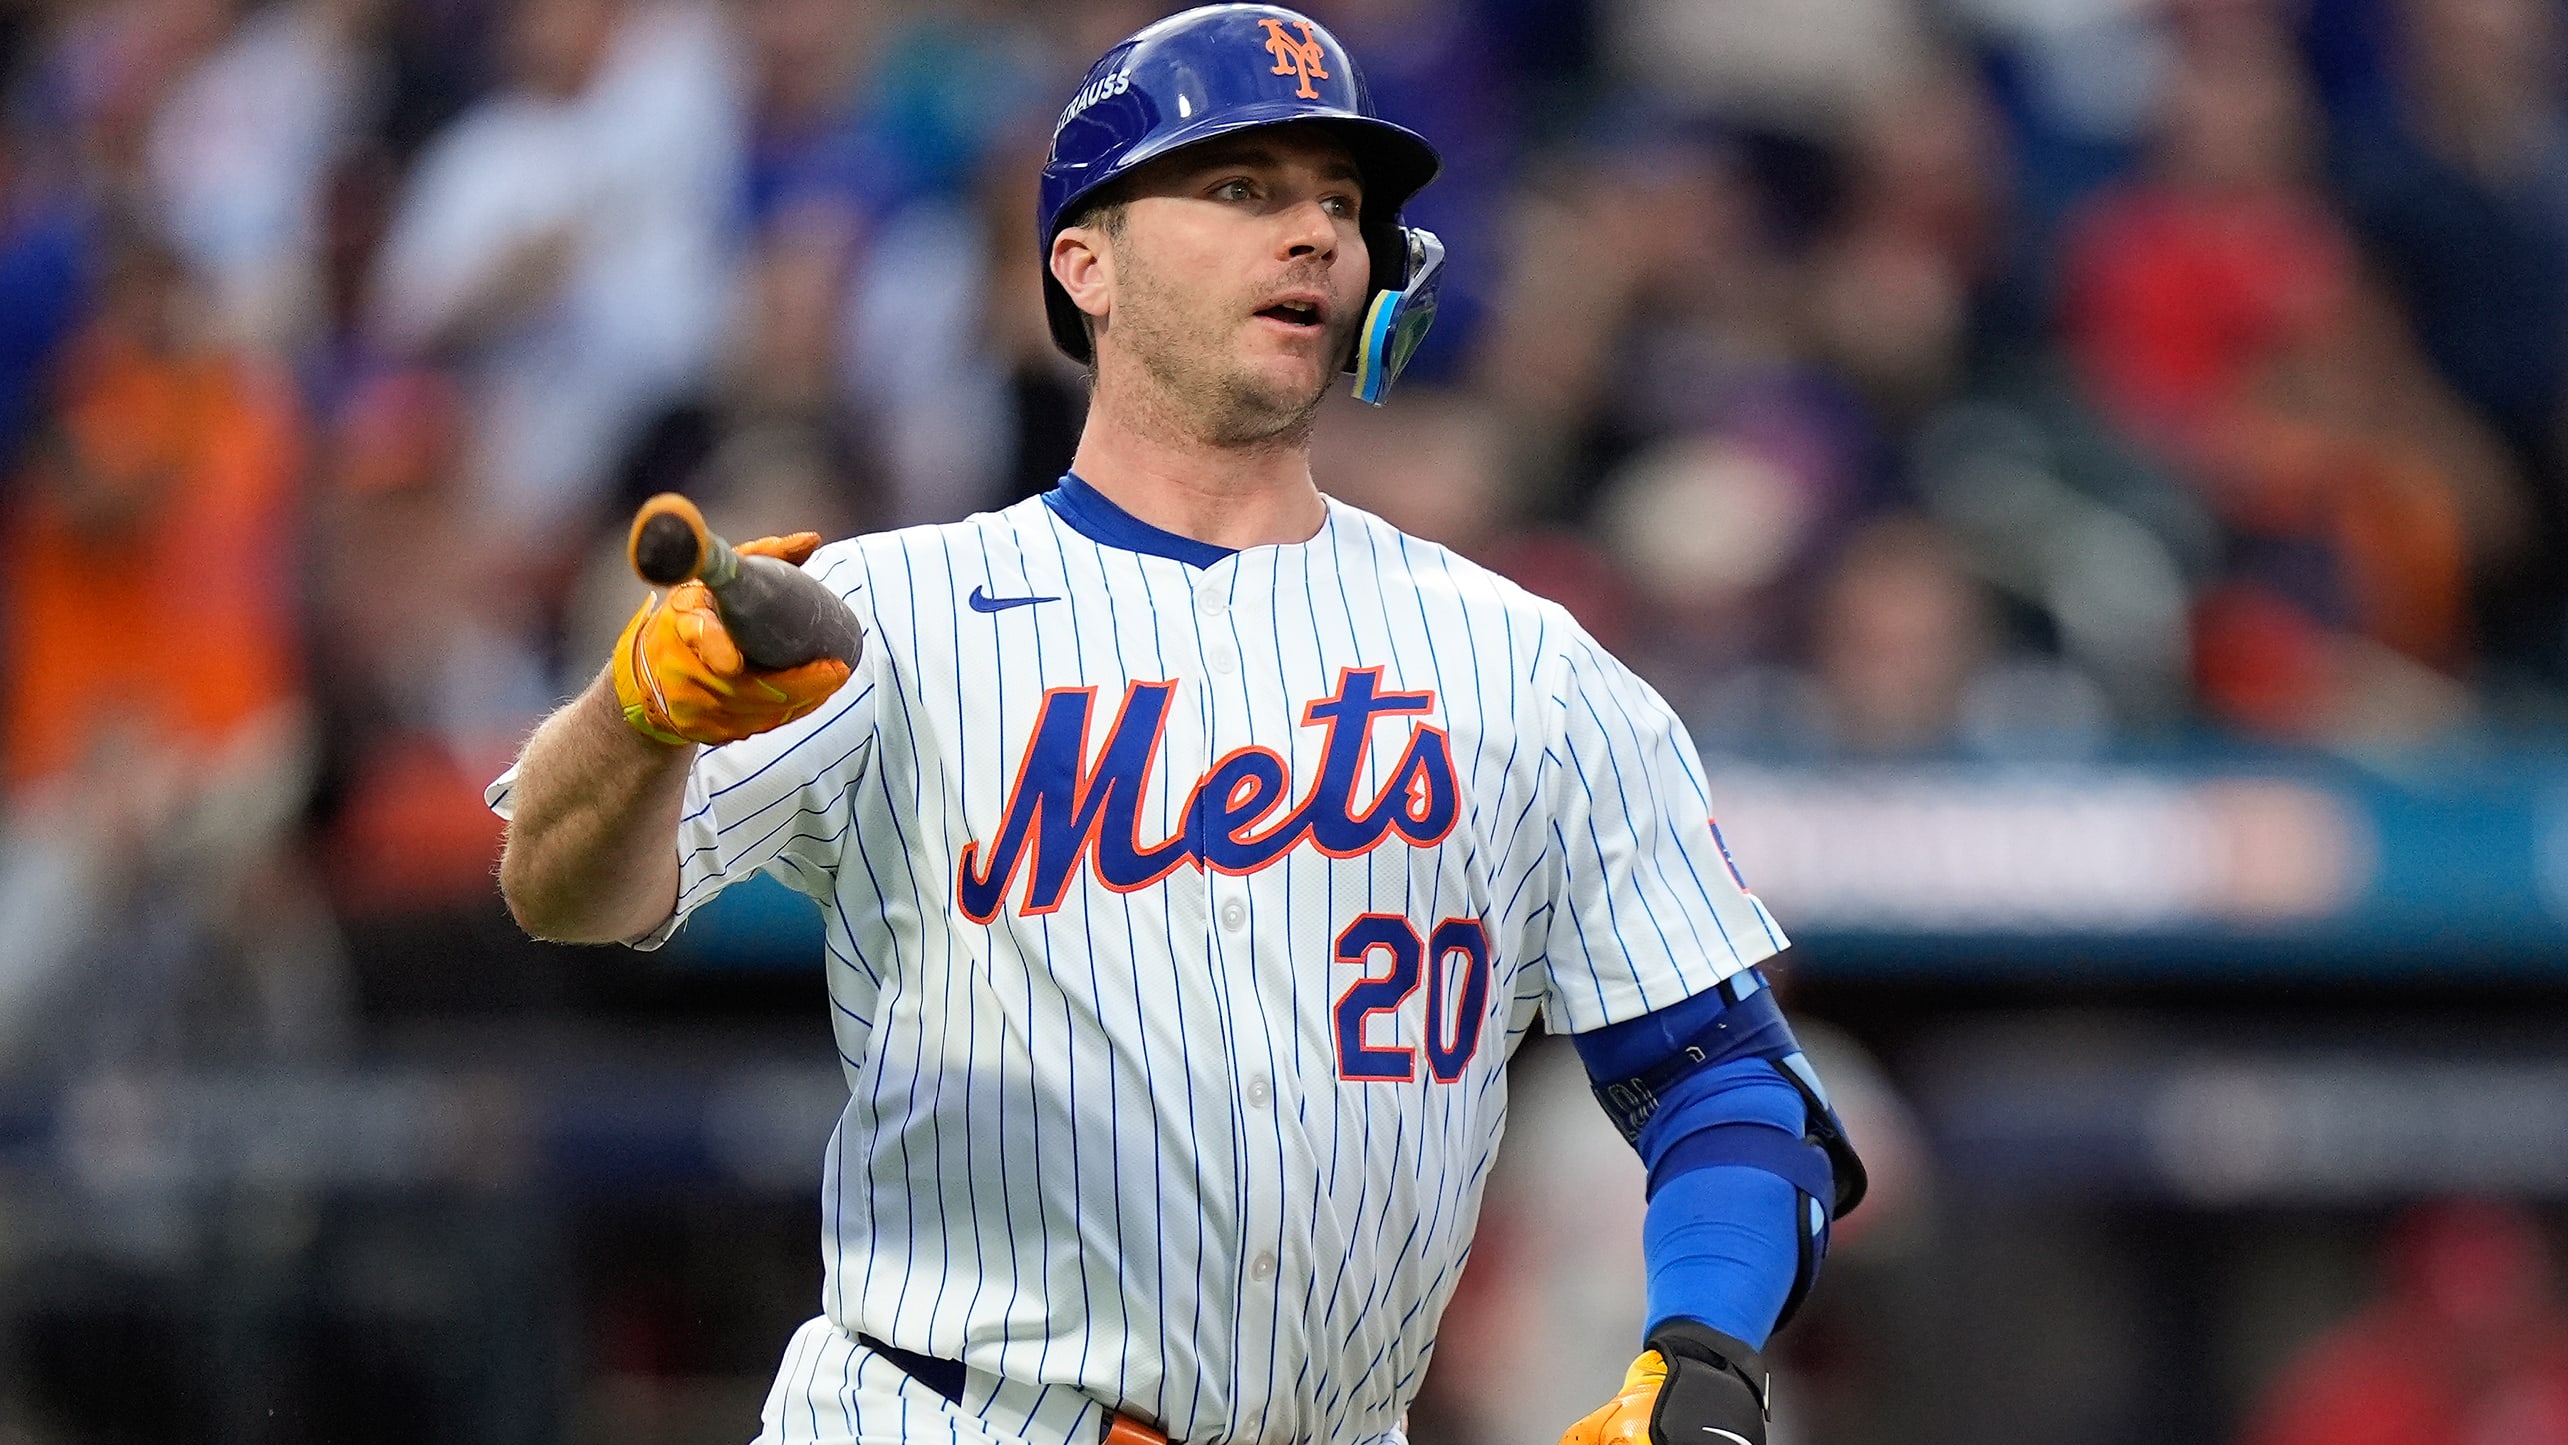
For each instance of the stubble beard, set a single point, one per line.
(1200, 387)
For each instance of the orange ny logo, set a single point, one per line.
(1301, 57)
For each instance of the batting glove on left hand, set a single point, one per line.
(681, 679)
(1693, 1386)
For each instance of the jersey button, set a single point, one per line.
(1211, 603)
(1234, 914)
(1259, 1091)
(1262, 1268)
(1223, 660)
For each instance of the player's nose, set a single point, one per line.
(1308, 231)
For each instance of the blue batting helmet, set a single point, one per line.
(1221, 69)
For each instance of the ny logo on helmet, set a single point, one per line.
(1302, 57)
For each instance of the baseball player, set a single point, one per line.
(1194, 850)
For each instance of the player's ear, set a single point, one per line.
(1084, 265)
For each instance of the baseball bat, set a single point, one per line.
(778, 614)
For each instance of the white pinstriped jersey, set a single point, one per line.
(1183, 908)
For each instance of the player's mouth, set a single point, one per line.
(1302, 313)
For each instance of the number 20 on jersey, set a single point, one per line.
(1391, 960)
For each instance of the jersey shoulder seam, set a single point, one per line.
(1425, 559)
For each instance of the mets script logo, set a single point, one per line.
(1302, 57)
(1063, 813)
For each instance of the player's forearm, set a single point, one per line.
(1722, 1245)
(592, 846)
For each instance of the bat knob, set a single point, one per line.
(669, 543)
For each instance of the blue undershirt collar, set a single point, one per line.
(1088, 513)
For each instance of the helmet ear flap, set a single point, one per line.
(1397, 319)
(1068, 323)
(1386, 244)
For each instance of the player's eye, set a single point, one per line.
(1346, 207)
(1235, 189)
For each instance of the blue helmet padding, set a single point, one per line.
(1215, 71)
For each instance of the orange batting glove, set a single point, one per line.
(682, 679)
(1625, 1419)
(1717, 1398)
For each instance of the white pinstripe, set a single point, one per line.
(1107, 1147)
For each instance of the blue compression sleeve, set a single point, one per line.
(1722, 1239)
(1721, 1247)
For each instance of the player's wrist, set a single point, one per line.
(638, 718)
(621, 719)
(1717, 1386)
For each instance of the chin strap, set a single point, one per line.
(1398, 320)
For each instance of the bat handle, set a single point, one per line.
(671, 544)
(779, 614)
(782, 617)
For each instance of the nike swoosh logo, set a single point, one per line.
(1726, 1434)
(983, 602)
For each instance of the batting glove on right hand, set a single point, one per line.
(681, 679)
(1693, 1386)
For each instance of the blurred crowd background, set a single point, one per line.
(2093, 474)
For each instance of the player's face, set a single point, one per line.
(1240, 278)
